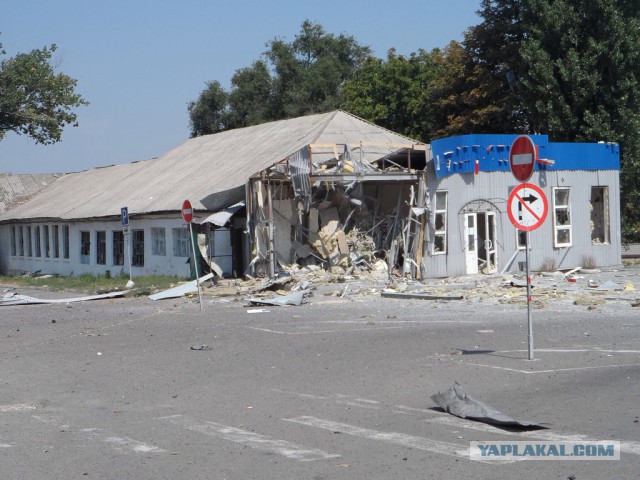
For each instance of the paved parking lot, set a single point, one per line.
(338, 387)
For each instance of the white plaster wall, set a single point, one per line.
(153, 264)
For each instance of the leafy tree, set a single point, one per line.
(396, 93)
(250, 100)
(209, 113)
(34, 99)
(567, 68)
(292, 79)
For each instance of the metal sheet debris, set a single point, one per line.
(17, 299)
(456, 402)
(180, 290)
(295, 299)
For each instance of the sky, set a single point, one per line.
(140, 62)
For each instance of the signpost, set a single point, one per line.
(522, 158)
(187, 216)
(527, 206)
(124, 217)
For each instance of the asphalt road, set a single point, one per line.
(335, 388)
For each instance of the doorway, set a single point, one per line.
(480, 244)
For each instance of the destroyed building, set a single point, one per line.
(328, 189)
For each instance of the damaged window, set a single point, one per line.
(36, 240)
(137, 259)
(65, 241)
(47, 241)
(85, 247)
(55, 229)
(101, 248)
(118, 247)
(521, 239)
(27, 241)
(440, 224)
(561, 217)
(599, 215)
(21, 241)
(180, 242)
(157, 242)
(14, 250)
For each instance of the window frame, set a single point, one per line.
(442, 233)
(564, 227)
(181, 242)
(158, 241)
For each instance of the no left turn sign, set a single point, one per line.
(527, 207)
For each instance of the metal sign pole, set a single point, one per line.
(195, 265)
(127, 235)
(529, 321)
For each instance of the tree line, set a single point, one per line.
(566, 68)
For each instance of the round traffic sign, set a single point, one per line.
(187, 211)
(527, 207)
(522, 158)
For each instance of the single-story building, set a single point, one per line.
(329, 188)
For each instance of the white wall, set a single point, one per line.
(167, 264)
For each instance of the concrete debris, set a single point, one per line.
(418, 296)
(456, 402)
(16, 299)
(200, 347)
(295, 298)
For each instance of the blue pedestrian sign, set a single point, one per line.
(124, 214)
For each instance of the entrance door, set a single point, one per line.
(471, 242)
(487, 261)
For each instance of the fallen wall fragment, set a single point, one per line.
(456, 402)
(419, 296)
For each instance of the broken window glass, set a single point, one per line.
(180, 242)
(157, 242)
(65, 241)
(137, 259)
(440, 223)
(118, 247)
(55, 231)
(85, 247)
(101, 248)
(14, 244)
(599, 215)
(562, 217)
(47, 242)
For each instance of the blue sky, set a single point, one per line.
(139, 62)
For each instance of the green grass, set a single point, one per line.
(91, 283)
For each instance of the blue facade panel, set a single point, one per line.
(460, 154)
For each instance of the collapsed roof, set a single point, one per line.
(210, 170)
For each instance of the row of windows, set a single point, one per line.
(562, 225)
(38, 242)
(52, 241)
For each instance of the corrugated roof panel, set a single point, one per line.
(210, 171)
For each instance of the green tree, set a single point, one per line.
(209, 113)
(567, 68)
(34, 99)
(292, 79)
(579, 81)
(250, 100)
(396, 93)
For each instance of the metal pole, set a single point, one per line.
(529, 322)
(195, 265)
(127, 234)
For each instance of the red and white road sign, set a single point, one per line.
(187, 211)
(527, 207)
(522, 158)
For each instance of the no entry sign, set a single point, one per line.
(522, 158)
(187, 211)
(527, 207)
